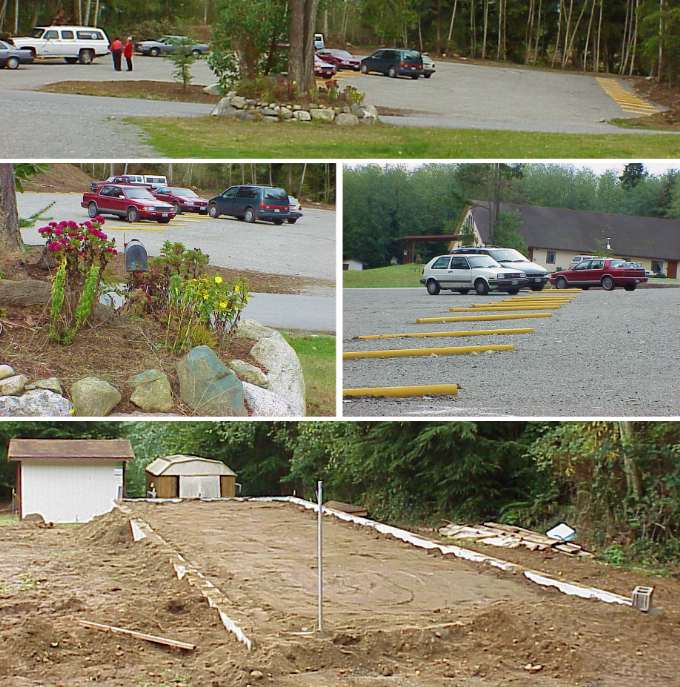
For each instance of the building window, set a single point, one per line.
(550, 257)
(657, 266)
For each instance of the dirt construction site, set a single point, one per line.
(395, 615)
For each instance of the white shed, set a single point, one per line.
(189, 477)
(69, 480)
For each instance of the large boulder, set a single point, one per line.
(37, 403)
(208, 386)
(302, 116)
(283, 367)
(151, 391)
(13, 386)
(265, 403)
(322, 114)
(213, 89)
(6, 371)
(94, 397)
(51, 384)
(249, 373)
(224, 109)
(24, 292)
(346, 119)
(238, 101)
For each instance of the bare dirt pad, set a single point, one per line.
(59, 178)
(397, 616)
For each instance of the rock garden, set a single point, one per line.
(169, 340)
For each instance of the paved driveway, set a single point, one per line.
(472, 96)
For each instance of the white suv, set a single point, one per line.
(462, 273)
(72, 43)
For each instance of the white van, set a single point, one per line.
(155, 180)
(319, 42)
(72, 43)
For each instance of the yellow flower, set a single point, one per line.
(205, 296)
(223, 305)
(218, 280)
(237, 288)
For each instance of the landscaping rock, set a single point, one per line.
(365, 111)
(239, 102)
(152, 391)
(224, 109)
(208, 386)
(270, 112)
(344, 119)
(249, 373)
(103, 313)
(250, 329)
(322, 114)
(51, 384)
(303, 116)
(6, 371)
(93, 397)
(265, 403)
(13, 386)
(213, 89)
(24, 292)
(37, 403)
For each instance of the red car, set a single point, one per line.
(605, 272)
(129, 202)
(341, 59)
(183, 199)
(322, 69)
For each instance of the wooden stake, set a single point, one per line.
(138, 635)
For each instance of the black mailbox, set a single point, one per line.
(136, 258)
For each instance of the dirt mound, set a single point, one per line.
(110, 529)
(62, 178)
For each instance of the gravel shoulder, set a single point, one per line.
(606, 354)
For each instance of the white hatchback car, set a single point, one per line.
(72, 43)
(462, 273)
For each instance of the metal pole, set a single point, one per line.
(16, 17)
(319, 494)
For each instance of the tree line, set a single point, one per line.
(383, 203)
(617, 483)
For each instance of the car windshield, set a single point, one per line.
(138, 193)
(341, 53)
(411, 55)
(37, 32)
(186, 192)
(481, 261)
(276, 194)
(625, 264)
(4, 46)
(508, 255)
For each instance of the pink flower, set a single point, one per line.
(58, 231)
(54, 246)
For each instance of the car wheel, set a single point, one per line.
(415, 76)
(513, 292)
(196, 53)
(92, 209)
(164, 221)
(630, 287)
(154, 52)
(432, 287)
(71, 60)
(12, 63)
(363, 69)
(481, 287)
(132, 214)
(608, 283)
(178, 208)
(463, 292)
(86, 57)
(213, 211)
(278, 222)
(249, 215)
(427, 76)
(537, 287)
(291, 221)
(561, 283)
(392, 73)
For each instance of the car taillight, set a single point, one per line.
(402, 64)
(262, 205)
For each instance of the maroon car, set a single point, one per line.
(129, 202)
(183, 199)
(341, 59)
(322, 69)
(605, 272)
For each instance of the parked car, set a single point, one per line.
(462, 273)
(294, 209)
(605, 272)
(322, 69)
(580, 258)
(126, 179)
(509, 257)
(183, 199)
(428, 66)
(341, 59)
(252, 203)
(168, 44)
(12, 57)
(319, 42)
(72, 43)
(129, 202)
(394, 62)
(155, 180)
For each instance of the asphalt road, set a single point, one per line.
(606, 354)
(471, 96)
(307, 312)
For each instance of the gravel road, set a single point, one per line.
(605, 354)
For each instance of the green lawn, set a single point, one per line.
(8, 519)
(317, 356)
(386, 277)
(209, 137)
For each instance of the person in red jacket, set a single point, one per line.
(127, 52)
(116, 52)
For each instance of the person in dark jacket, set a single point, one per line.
(117, 53)
(127, 52)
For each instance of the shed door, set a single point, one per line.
(194, 487)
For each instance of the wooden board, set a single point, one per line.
(175, 644)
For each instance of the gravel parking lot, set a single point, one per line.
(605, 354)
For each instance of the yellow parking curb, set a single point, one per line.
(504, 308)
(469, 332)
(396, 391)
(625, 99)
(482, 318)
(421, 352)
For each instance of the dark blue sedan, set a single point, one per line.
(12, 57)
